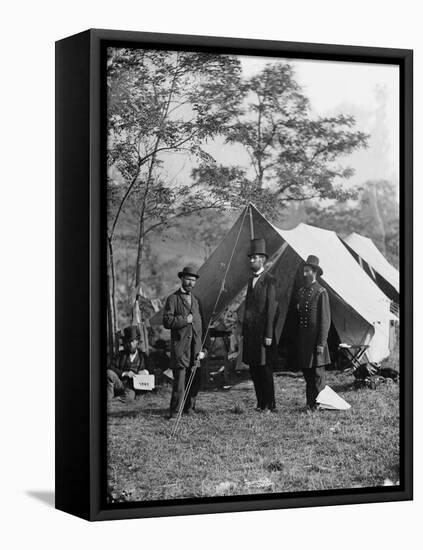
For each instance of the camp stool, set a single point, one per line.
(353, 353)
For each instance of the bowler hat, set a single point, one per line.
(188, 271)
(313, 261)
(258, 246)
(131, 333)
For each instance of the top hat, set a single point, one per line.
(131, 333)
(258, 246)
(188, 271)
(313, 261)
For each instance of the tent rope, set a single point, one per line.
(197, 361)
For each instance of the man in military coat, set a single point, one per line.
(183, 316)
(129, 362)
(259, 343)
(313, 311)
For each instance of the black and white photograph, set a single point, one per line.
(210, 235)
(253, 296)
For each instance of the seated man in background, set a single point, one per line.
(129, 362)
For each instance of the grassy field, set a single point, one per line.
(227, 448)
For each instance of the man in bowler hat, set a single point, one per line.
(183, 316)
(313, 311)
(259, 343)
(129, 362)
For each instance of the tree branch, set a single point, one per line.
(216, 204)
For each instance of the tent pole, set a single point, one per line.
(250, 210)
(197, 362)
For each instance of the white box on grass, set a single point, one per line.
(143, 382)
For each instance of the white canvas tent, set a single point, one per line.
(360, 311)
(375, 264)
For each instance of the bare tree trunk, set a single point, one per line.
(110, 327)
(374, 223)
(150, 172)
(111, 302)
(259, 152)
(141, 224)
(139, 251)
(113, 288)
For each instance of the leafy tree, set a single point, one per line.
(162, 102)
(293, 155)
(342, 217)
(392, 233)
(356, 216)
(210, 229)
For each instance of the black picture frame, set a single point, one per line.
(80, 268)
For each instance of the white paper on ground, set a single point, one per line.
(328, 399)
(168, 373)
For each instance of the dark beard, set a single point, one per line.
(308, 280)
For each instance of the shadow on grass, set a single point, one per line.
(125, 413)
(343, 387)
(288, 374)
(133, 413)
(163, 411)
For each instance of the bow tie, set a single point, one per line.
(257, 274)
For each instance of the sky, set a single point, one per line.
(369, 92)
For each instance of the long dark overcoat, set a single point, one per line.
(259, 321)
(185, 338)
(313, 311)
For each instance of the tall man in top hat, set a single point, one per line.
(259, 342)
(314, 320)
(183, 316)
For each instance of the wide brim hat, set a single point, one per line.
(258, 246)
(131, 333)
(189, 271)
(313, 261)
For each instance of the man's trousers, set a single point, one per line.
(262, 377)
(180, 382)
(315, 378)
(116, 387)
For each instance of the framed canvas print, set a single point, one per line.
(234, 274)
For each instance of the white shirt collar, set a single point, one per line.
(256, 277)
